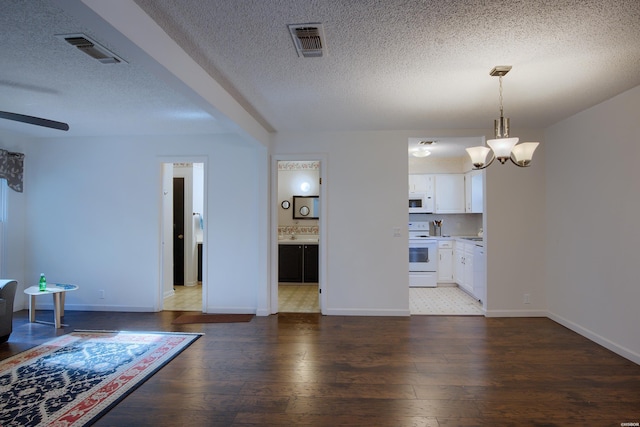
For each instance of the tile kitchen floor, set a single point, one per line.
(444, 301)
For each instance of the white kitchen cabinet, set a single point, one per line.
(463, 269)
(468, 267)
(445, 261)
(421, 183)
(473, 191)
(458, 267)
(449, 193)
(479, 274)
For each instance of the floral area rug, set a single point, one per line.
(76, 378)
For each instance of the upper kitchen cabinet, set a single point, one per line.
(473, 191)
(421, 183)
(449, 192)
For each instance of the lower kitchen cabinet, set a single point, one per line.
(463, 269)
(445, 261)
(298, 263)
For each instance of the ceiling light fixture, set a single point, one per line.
(421, 152)
(504, 148)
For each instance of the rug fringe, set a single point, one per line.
(106, 331)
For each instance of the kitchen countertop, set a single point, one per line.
(287, 240)
(465, 239)
(479, 241)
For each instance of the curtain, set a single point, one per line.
(11, 165)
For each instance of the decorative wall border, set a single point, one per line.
(298, 165)
(298, 229)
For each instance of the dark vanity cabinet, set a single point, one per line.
(298, 263)
(310, 263)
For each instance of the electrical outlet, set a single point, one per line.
(101, 294)
(527, 299)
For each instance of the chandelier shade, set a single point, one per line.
(478, 155)
(523, 153)
(502, 148)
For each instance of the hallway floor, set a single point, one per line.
(186, 298)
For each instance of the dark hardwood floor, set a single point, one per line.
(305, 369)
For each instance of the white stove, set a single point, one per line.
(418, 230)
(423, 260)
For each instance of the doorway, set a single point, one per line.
(440, 170)
(183, 284)
(298, 230)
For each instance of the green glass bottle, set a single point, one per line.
(43, 283)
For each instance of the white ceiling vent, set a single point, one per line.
(91, 48)
(308, 40)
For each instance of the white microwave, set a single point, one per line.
(420, 203)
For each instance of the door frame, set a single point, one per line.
(164, 272)
(322, 228)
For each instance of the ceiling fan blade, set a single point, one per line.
(34, 120)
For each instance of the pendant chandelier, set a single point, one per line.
(502, 147)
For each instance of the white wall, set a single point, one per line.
(366, 192)
(592, 233)
(515, 234)
(366, 185)
(14, 229)
(92, 218)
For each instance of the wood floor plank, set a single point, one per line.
(313, 370)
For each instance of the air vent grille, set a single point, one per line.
(91, 48)
(308, 40)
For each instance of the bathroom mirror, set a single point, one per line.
(305, 207)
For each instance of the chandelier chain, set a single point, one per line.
(500, 98)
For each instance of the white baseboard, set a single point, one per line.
(231, 310)
(361, 312)
(598, 339)
(516, 313)
(88, 307)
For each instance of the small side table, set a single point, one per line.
(58, 292)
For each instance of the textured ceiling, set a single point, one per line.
(399, 64)
(390, 65)
(41, 75)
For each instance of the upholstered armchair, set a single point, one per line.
(7, 295)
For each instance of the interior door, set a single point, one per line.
(178, 231)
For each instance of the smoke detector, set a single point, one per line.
(308, 40)
(91, 48)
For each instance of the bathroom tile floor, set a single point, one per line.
(298, 298)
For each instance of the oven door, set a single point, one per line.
(422, 255)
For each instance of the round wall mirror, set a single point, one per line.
(285, 204)
(304, 211)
